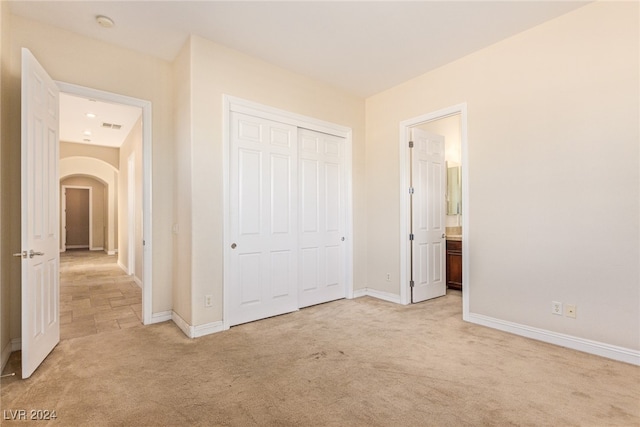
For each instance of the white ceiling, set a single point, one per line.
(361, 46)
(75, 126)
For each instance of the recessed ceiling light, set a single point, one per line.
(87, 132)
(104, 21)
(91, 115)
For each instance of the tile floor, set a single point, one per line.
(96, 295)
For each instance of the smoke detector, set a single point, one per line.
(105, 21)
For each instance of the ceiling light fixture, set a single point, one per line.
(90, 115)
(87, 132)
(105, 21)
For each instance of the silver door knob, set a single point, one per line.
(444, 235)
(32, 253)
(22, 254)
(233, 246)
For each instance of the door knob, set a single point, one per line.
(233, 246)
(32, 253)
(22, 254)
(444, 235)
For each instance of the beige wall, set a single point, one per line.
(215, 71)
(98, 208)
(110, 155)
(131, 145)
(72, 58)
(553, 153)
(182, 181)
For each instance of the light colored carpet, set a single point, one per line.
(361, 362)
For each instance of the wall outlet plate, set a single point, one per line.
(556, 308)
(208, 300)
(570, 310)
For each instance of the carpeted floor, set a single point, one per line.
(361, 362)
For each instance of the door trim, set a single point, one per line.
(405, 261)
(63, 216)
(131, 214)
(239, 105)
(147, 256)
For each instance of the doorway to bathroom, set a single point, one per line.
(433, 206)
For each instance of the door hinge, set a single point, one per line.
(411, 236)
(410, 144)
(411, 190)
(411, 283)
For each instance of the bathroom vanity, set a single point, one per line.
(454, 263)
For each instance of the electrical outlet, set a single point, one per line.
(570, 311)
(208, 300)
(556, 308)
(388, 277)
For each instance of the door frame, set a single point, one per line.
(63, 214)
(147, 252)
(405, 260)
(239, 105)
(131, 214)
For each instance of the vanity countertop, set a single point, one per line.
(455, 237)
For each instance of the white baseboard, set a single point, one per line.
(138, 281)
(16, 344)
(196, 331)
(4, 356)
(123, 268)
(576, 343)
(386, 296)
(77, 246)
(97, 249)
(112, 252)
(207, 329)
(181, 323)
(360, 293)
(161, 316)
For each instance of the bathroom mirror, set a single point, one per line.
(454, 191)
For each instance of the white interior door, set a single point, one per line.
(428, 181)
(322, 217)
(40, 215)
(263, 219)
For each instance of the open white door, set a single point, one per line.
(40, 215)
(427, 216)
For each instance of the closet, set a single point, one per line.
(287, 218)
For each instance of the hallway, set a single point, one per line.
(96, 295)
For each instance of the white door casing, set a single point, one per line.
(131, 214)
(322, 217)
(428, 180)
(148, 316)
(40, 215)
(263, 219)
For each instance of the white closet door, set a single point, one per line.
(263, 219)
(322, 217)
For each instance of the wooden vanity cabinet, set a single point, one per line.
(454, 264)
